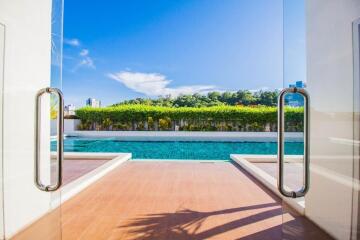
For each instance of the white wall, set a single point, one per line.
(71, 125)
(330, 83)
(27, 69)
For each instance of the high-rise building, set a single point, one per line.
(69, 110)
(295, 99)
(92, 102)
(300, 84)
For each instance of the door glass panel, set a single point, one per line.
(33, 56)
(355, 233)
(294, 29)
(55, 82)
(319, 50)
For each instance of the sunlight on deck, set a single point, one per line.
(173, 200)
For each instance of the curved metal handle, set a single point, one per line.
(60, 128)
(281, 130)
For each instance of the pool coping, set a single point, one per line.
(178, 160)
(245, 162)
(189, 136)
(76, 186)
(89, 155)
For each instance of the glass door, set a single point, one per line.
(31, 51)
(320, 187)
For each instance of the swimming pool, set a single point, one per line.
(194, 150)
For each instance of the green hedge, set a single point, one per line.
(122, 114)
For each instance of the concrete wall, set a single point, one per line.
(70, 125)
(330, 84)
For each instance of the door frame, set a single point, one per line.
(2, 67)
(355, 233)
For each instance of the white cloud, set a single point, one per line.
(72, 42)
(84, 52)
(85, 60)
(156, 84)
(259, 89)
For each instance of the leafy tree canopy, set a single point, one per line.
(241, 97)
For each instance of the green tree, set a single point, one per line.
(241, 97)
(245, 97)
(214, 96)
(267, 98)
(228, 98)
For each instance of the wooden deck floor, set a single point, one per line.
(174, 200)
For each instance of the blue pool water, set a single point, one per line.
(176, 149)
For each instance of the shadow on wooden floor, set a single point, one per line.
(185, 224)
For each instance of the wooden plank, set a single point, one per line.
(174, 200)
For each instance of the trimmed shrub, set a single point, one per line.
(220, 118)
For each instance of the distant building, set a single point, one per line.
(295, 99)
(69, 110)
(298, 84)
(92, 102)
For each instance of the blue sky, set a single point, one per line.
(116, 50)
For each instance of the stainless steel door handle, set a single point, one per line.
(60, 137)
(281, 130)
